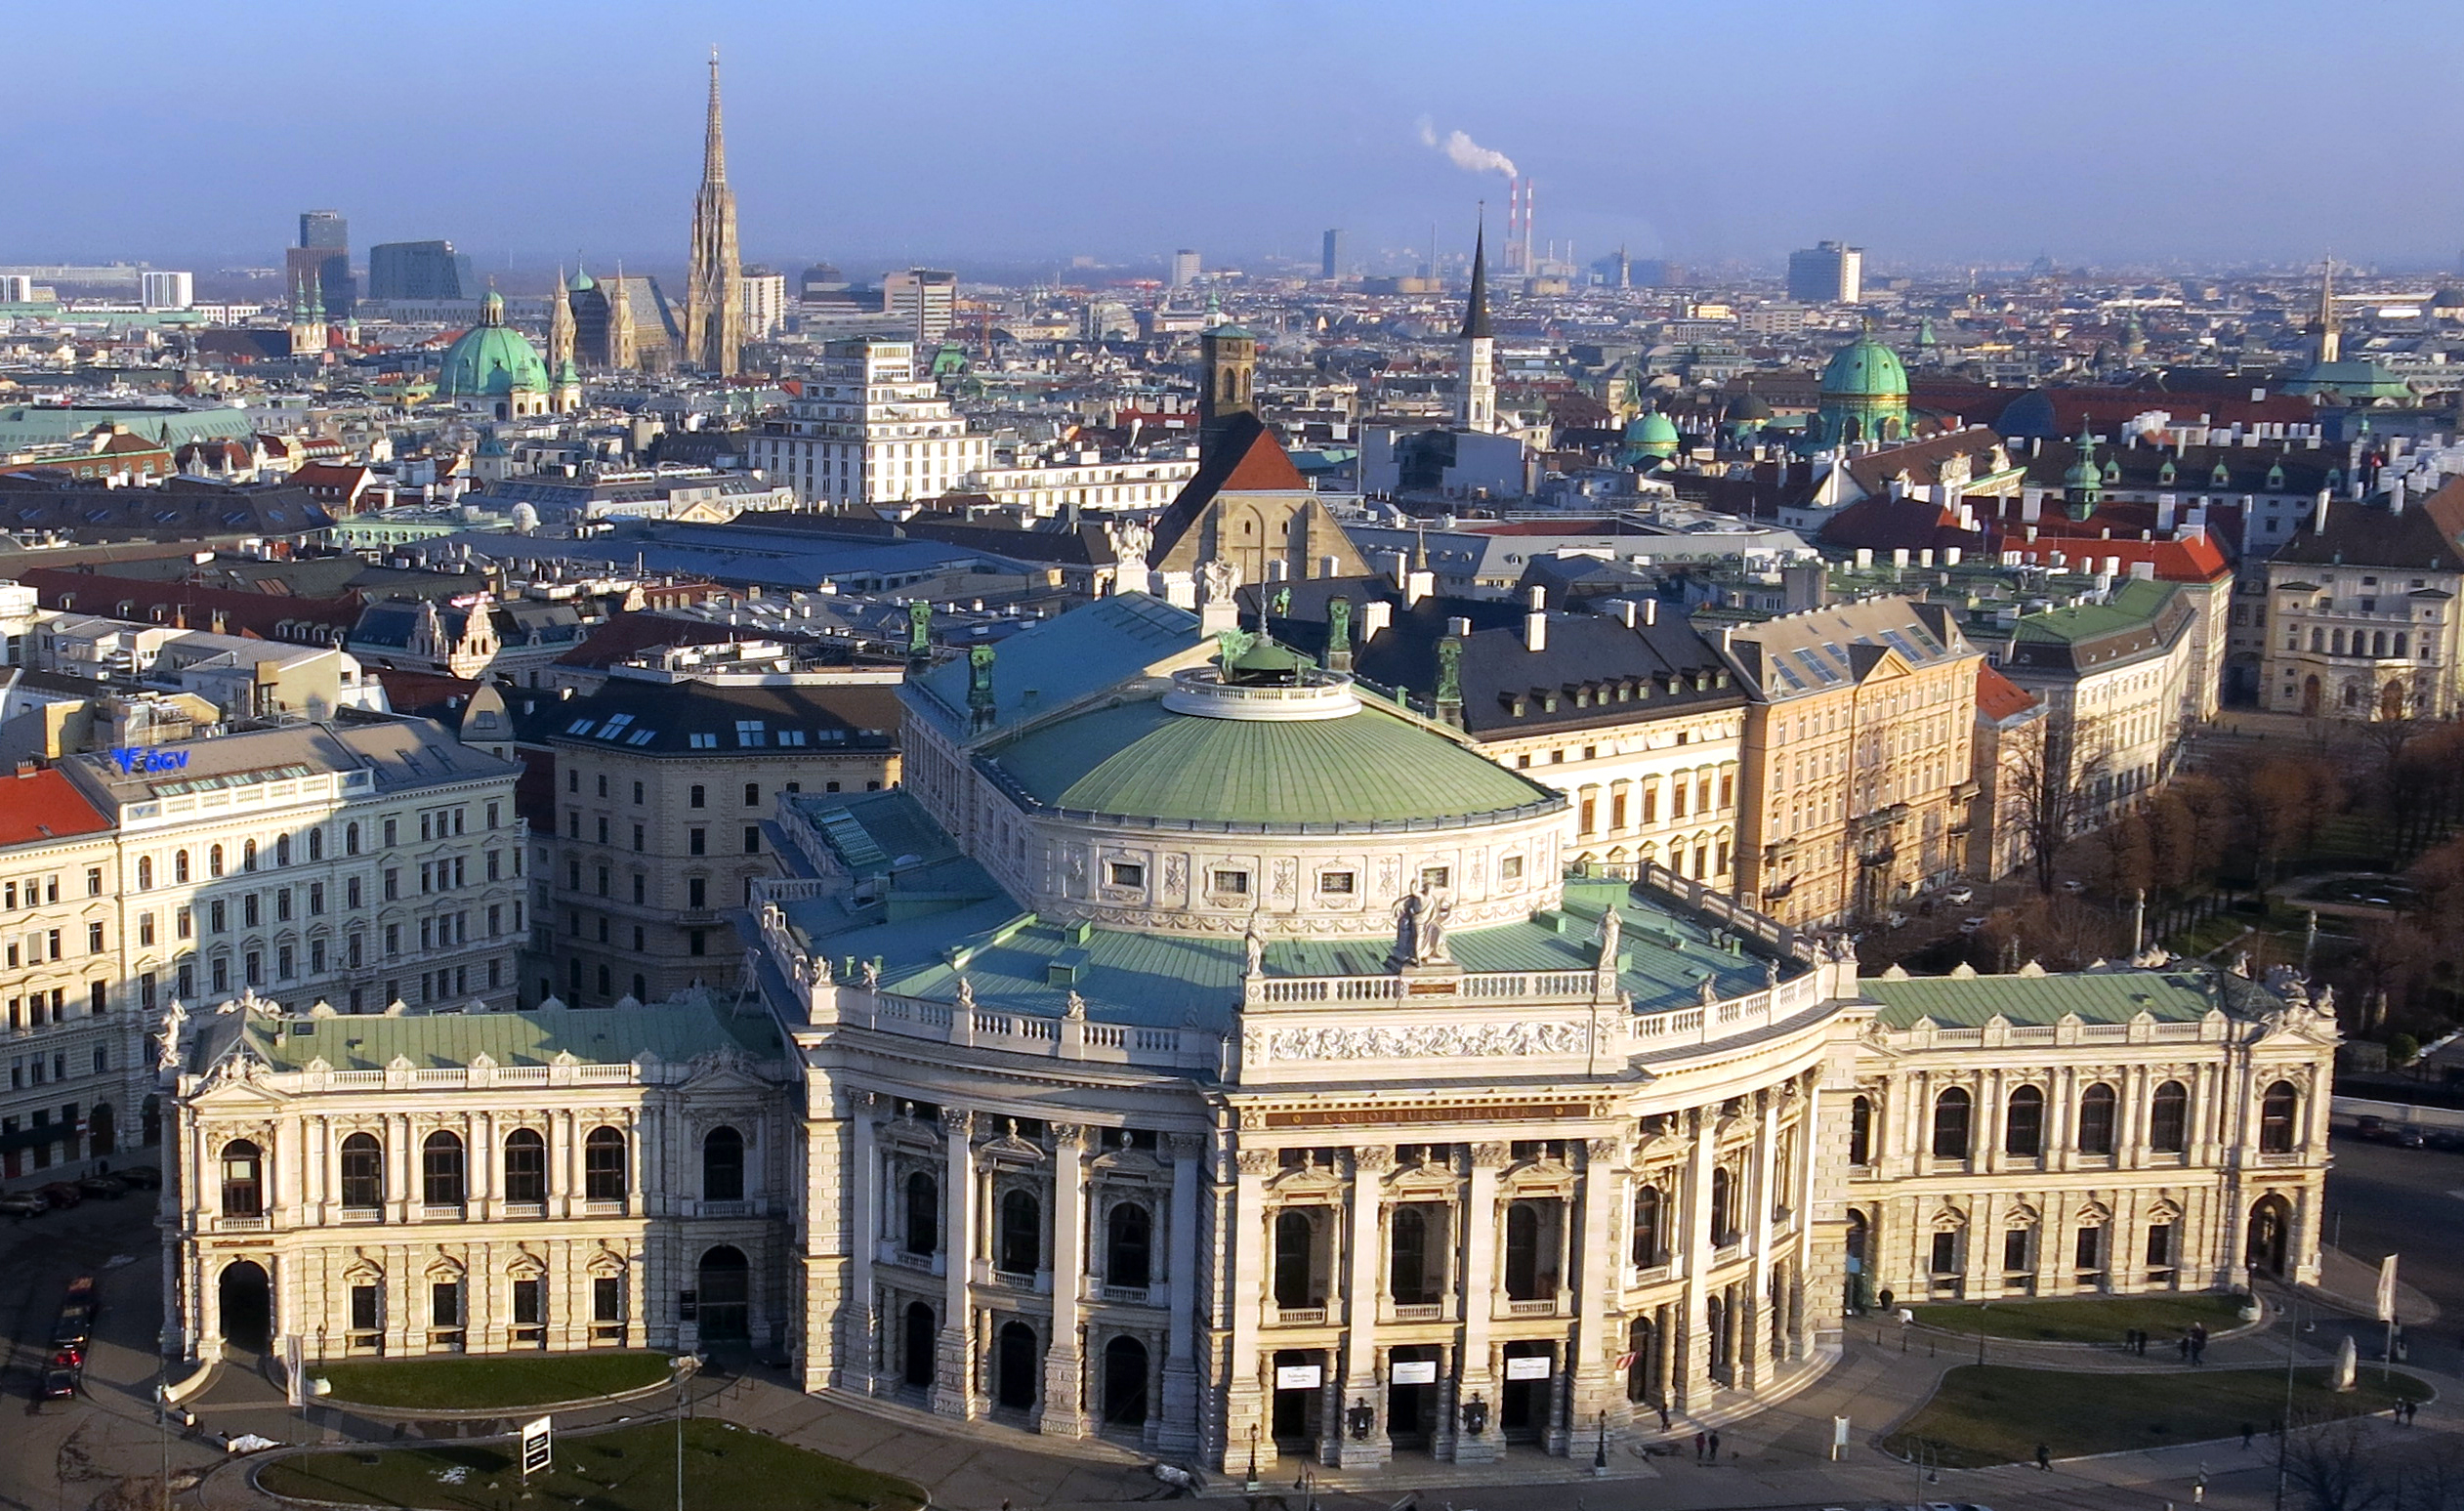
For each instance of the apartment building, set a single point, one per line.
(2362, 613)
(362, 863)
(1857, 756)
(2123, 682)
(868, 429)
(665, 785)
(75, 1051)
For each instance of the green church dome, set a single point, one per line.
(1145, 760)
(492, 359)
(1864, 369)
(582, 281)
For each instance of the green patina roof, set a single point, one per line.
(2133, 603)
(2096, 997)
(1172, 981)
(491, 360)
(1140, 760)
(674, 1031)
(1865, 368)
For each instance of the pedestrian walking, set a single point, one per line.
(2184, 1347)
(1699, 1439)
(2247, 1432)
(1715, 1447)
(1663, 1416)
(2044, 1458)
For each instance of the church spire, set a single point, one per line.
(714, 296)
(1476, 307)
(2328, 328)
(713, 145)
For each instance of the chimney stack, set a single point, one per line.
(1375, 615)
(1535, 621)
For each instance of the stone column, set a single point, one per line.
(1767, 1176)
(1246, 1379)
(1064, 1413)
(1596, 1386)
(2062, 1119)
(1476, 1374)
(1811, 1312)
(1179, 1431)
(953, 1355)
(1693, 1386)
(854, 1322)
(1358, 1365)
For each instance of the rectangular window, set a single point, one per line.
(696, 941)
(752, 839)
(94, 939)
(1126, 873)
(606, 1298)
(529, 1304)
(491, 811)
(2014, 1249)
(364, 1312)
(2089, 1252)
(1946, 1258)
(697, 842)
(392, 885)
(2160, 1245)
(444, 1304)
(696, 892)
(1336, 882)
(1436, 878)
(97, 998)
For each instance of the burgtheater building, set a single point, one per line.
(1200, 1051)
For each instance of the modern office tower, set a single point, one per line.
(322, 262)
(17, 288)
(765, 300)
(1330, 256)
(325, 229)
(925, 297)
(869, 429)
(818, 281)
(420, 269)
(167, 290)
(1184, 267)
(714, 303)
(1826, 273)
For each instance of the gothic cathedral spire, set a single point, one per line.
(714, 303)
(1476, 386)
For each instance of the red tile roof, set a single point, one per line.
(40, 806)
(1998, 698)
(2193, 559)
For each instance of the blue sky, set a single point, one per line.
(1011, 132)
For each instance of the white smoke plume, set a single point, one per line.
(1464, 153)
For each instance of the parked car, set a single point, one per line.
(1974, 923)
(2408, 1137)
(23, 1203)
(1960, 897)
(2075, 886)
(2368, 1127)
(60, 1384)
(72, 1331)
(143, 1177)
(102, 1185)
(62, 1192)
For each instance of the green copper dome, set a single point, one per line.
(1865, 368)
(581, 281)
(1143, 760)
(1651, 435)
(492, 359)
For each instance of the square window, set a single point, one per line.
(1435, 877)
(1509, 868)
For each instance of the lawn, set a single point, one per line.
(629, 1469)
(1997, 1414)
(480, 1382)
(2086, 1319)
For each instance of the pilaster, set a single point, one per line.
(1064, 1413)
(953, 1352)
(1179, 1430)
(1475, 1392)
(1360, 1439)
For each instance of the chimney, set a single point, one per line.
(1625, 611)
(2319, 515)
(1418, 585)
(1458, 627)
(1535, 621)
(2032, 504)
(1326, 566)
(1375, 615)
(2395, 497)
(1651, 611)
(1279, 570)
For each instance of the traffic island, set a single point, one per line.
(1983, 1415)
(2105, 1319)
(491, 1382)
(727, 1468)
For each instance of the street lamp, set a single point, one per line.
(681, 1367)
(1600, 1454)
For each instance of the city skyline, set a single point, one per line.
(1352, 121)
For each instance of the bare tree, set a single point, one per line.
(2049, 798)
(2331, 1467)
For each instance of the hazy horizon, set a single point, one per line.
(1934, 135)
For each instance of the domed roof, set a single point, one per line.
(1652, 429)
(492, 359)
(582, 281)
(1143, 760)
(1746, 408)
(1864, 369)
(2449, 298)
(2030, 414)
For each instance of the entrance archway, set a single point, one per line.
(1014, 1368)
(2391, 701)
(1642, 1371)
(1300, 1403)
(2310, 697)
(1523, 1406)
(102, 1137)
(1124, 1382)
(2271, 1225)
(726, 1296)
(915, 1345)
(246, 1295)
(151, 1111)
(1411, 1395)
(1861, 1291)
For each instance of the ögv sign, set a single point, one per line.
(136, 760)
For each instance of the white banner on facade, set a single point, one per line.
(2386, 1289)
(1298, 1376)
(1534, 1367)
(1414, 1371)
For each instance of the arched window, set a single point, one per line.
(1294, 1239)
(248, 855)
(2278, 1110)
(179, 865)
(1722, 1205)
(525, 1165)
(924, 1224)
(144, 874)
(604, 1165)
(2169, 1118)
(282, 850)
(440, 1170)
(1129, 1245)
(214, 860)
(243, 1180)
(1950, 1124)
(2096, 1119)
(2024, 1125)
(1647, 1225)
(1861, 1131)
(350, 839)
(723, 1165)
(317, 844)
(1021, 1232)
(363, 1171)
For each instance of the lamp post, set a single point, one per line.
(682, 1366)
(1253, 1458)
(1600, 1454)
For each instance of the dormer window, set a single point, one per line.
(2164, 473)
